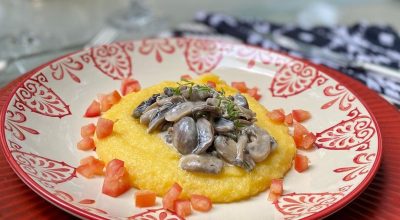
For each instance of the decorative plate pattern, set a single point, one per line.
(32, 124)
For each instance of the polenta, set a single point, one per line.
(154, 165)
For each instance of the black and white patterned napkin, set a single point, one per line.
(360, 42)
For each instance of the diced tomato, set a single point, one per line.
(254, 93)
(241, 86)
(113, 97)
(108, 100)
(211, 84)
(186, 77)
(86, 143)
(308, 141)
(281, 110)
(200, 203)
(276, 116)
(104, 103)
(145, 198)
(298, 133)
(276, 186)
(129, 85)
(289, 119)
(88, 130)
(300, 163)
(273, 196)
(300, 115)
(116, 180)
(182, 208)
(104, 127)
(275, 190)
(172, 195)
(90, 167)
(93, 110)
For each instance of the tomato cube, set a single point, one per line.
(93, 110)
(104, 128)
(90, 166)
(254, 93)
(88, 130)
(172, 195)
(289, 119)
(241, 86)
(300, 115)
(273, 196)
(308, 141)
(276, 186)
(300, 163)
(116, 180)
(186, 77)
(86, 143)
(182, 208)
(145, 198)
(200, 203)
(129, 86)
(276, 116)
(298, 133)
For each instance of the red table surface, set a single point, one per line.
(379, 201)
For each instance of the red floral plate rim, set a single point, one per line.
(82, 213)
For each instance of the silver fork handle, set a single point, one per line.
(379, 69)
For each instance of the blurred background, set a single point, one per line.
(35, 31)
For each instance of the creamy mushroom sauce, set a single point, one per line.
(208, 128)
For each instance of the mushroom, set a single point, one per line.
(203, 107)
(205, 134)
(261, 143)
(168, 91)
(226, 148)
(195, 93)
(201, 163)
(184, 137)
(172, 99)
(240, 100)
(147, 116)
(223, 125)
(179, 111)
(246, 113)
(159, 118)
(241, 146)
(142, 106)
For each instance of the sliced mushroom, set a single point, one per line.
(172, 99)
(248, 163)
(241, 146)
(179, 111)
(201, 163)
(213, 101)
(205, 134)
(147, 116)
(159, 117)
(224, 125)
(142, 106)
(195, 93)
(226, 148)
(240, 100)
(168, 91)
(261, 144)
(184, 137)
(246, 113)
(202, 106)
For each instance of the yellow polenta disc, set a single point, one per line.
(154, 165)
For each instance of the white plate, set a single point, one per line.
(40, 125)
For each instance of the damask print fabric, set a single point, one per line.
(360, 42)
